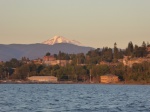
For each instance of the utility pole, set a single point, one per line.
(90, 75)
(77, 61)
(8, 75)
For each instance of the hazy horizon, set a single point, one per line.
(94, 23)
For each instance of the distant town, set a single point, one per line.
(107, 65)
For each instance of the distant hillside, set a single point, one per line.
(33, 51)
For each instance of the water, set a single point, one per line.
(74, 98)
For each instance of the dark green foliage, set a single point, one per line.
(13, 63)
(136, 51)
(21, 72)
(139, 73)
(100, 70)
(130, 49)
(48, 54)
(63, 56)
(116, 53)
(107, 54)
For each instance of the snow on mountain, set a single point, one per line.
(60, 39)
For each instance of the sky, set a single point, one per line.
(95, 23)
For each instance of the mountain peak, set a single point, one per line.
(61, 39)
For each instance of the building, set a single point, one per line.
(51, 60)
(63, 62)
(109, 78)
(37, 61)
(43, 79)
(148, 49)
(104, 63)
(128, 61)
(108, 63)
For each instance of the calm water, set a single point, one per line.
(74, 98)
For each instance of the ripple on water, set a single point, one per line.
(74, 98)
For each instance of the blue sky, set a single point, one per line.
(95, 23)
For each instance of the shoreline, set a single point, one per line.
(69, 82)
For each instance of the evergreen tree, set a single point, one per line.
(47, 54)
(130, 49)
(144, 44)
(115, 52)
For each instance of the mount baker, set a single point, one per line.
(61, 39)
(34, 51)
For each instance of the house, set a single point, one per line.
(104, 63)
(43, 79)
(37, 61)
(51, 60)
(148, 49)
(108, 63)
(109, 78)
(128, 61)
(63, 62)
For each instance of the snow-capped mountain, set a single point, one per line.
(34, 51)
(60, 39)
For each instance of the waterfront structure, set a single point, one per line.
(43, 79)
(109, 78)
